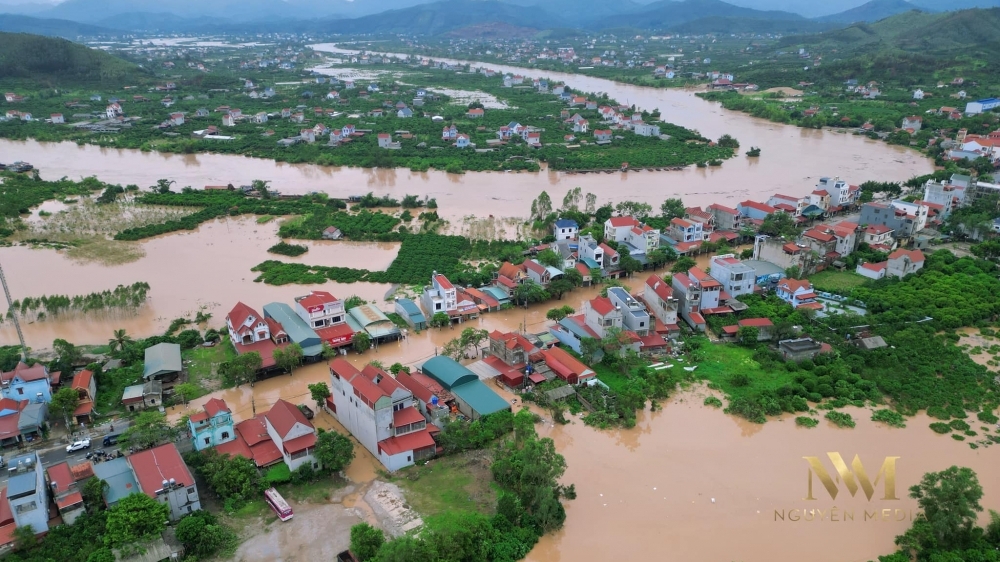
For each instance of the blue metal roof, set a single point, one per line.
(566, 223)
(22, 484)
(118, 475)
(296, 328)
(412, 310)
(590, 263)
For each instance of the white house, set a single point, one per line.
(113, 110)
(246, 326)
(176, 119)
(228, 120)
(660, 301)
(384, 140)
(601, 314)
(320, 309)
(737, 278)
(57, 118)
(647, 130)
(913, 122)
(380, 413)
(292, 433)
(440, 296)
(904, 262)
(918, 94)
(462, 141)
(565, 229)
(449, 133)
(799, 293)
(871, 270)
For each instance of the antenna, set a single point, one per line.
(13, 316)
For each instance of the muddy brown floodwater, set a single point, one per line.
(645, 493)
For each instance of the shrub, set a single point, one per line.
(713, 401)
(958, 425)
(841, 419)
(286, 249)
(890, 417)
(957, 437)
(988, 417)
(940, 427)
(805, 421)
(278, 474)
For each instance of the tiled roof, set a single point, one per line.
(239, 314)
(410, 442)
(82, 380)
(618, 222)
(660, 287)
(406, 416)
(216, 405)
(602, 305)
(915, 256)
(793, 285)
(302, 443)
(316, 298)
(155, 465)
(722, 208)
(283, 416)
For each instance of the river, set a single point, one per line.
(644, 493)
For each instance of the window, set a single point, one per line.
(191, 490)
(336, 319)
(207, 440)
(409, 458)
(20, 390)
(225, 435)
(189, 509)
(642, 324)
(437, 306)
(318, 324)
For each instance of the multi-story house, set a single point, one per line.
(381, 414)
(617, 228)
(799, 293)
(704, 218)
(600, 314)
(904, 262)
(246, 326)
(819, 198)
(725, 217)
(212, 426)
(26, 495)
(27, 383)
(683, 230)
(904, 218)
(591, 253)
(660, 300)
(511, 348)
(65, 487)
(946, 193)
(565, 229)
(737, 278)
(440, 296)
(85, 384)
(541, 274)
(841, 193)
(320, 309)
(634, 316)
(879, 237)
(163, 476)
(292, 433)
(711, 290)
(791, 205)
(611, 258)
(688, 294)
(755, 211)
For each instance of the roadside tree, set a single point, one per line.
(64, 403)
(366, 541)
(319, 392)
(135, 518)
(334, 451)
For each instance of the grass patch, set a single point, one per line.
(805, 421)
(987, 417)
(278, 474)
(264, 219)
(728, 367)
(312, 492)
(840, 419)
(454, 484)
(202, 365)
(713, 401)
(836, 281)
(890, 417)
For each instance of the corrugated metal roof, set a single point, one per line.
(448, 372)
(481, 398)
(118, 475)
(296, 328)
(411, 309)
(161, 359)
(373, 320)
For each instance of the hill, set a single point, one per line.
(871, 11)
(50, 61)
(441, 17)
(12, 23)
(969, 32)
(720, 24)
(666, 14)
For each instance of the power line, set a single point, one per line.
(13, 316)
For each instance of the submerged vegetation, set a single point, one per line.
(123, 299)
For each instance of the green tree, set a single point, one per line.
(727, 141)
(93, 492)
(24, 538)
(550, 258)
(69, 355)
(571, 202)
(289, 358)
(541, 207)
(793, 272)
(530, 292)
(683, 264)
(64, 403)
(672, 208)
(661, 256)
(366, 541)
(319, 392)
(135, 518)
(261, 187)
(574, 276)
(202, 534)
(162, 186)
(629, 264)
(329, 352)
(473, 339)
(558, 313)
(635, 209)
(560, 287)
(235, 479)
(149, 428)
(119, 340)
(779, 224)
(361, 342)
(589, 348)
(186, 391)
(950, 503)
(405, 549)
(748, 335)
(440, 320)
(334, 451)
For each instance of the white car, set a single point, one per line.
(77, 445)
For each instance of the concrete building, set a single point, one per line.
(162, 362)
(473, 398)
(163, 476)
(32, 383)
(801, 349)
(565, 229)
(799, 293)
(212, 426)
(600, 314)
(726, 218)
(440, 296)
(736, 277)
(320, 309)
(904, 262)
(381, 414)
(660, 301)
(292, 433)
(26, 494)
(634, 316)
(905, 219)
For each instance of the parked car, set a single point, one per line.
(78, 445)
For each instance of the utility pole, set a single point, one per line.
(13, 316)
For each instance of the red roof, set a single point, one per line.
(443, 281)
(84, 408)
(572, 363)
(704, 279)
(874, 266)
(660, 287)
(274, 327)
(82, 471)
(239, 314)
(487, 300)
(155, 465)
(791, 248)
(410, 442)
(730, 330)
(236, 448)
(302, 443)
(506, 282)
(915, 256)
(602, 305)
(60, 475)
(697, 318)
(724, 209)
(793, 285)
(811, 305)
(819, 235)
(533, 265)
(317, 298)
(82, 380)
(264, 347)
(877, 229)
(72, 498)
(382, 379)
(283, 416)
(758, 206)
(618, 222)
(652, 341)
(607, 249)
(806, 296)
(338, 334)
(423, 393)
(756, 322)
(216, 405)
(406, 416)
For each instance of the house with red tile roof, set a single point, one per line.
(212, 426)
(85, 384)
(381, 413)
(765, 328)
(871, 270)
(320, 309)
(754, 210)
(32, 383)
(600, 314)
(65, 485)
(567, 367)
(292, 434)
(511, 347)
(799, 293)
(904, 262)
(440, 296)
(163, 476)
(661, 303)
(726, 218)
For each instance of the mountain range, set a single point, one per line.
(443, 16)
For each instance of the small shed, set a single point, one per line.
(32, 419)
(411, 313)
(162, 362)
(474, 398)
(375, 322)
(800, 349)
(873, 342)
(560, 393)
(332, 233)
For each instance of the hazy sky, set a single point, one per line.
(802, 6)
